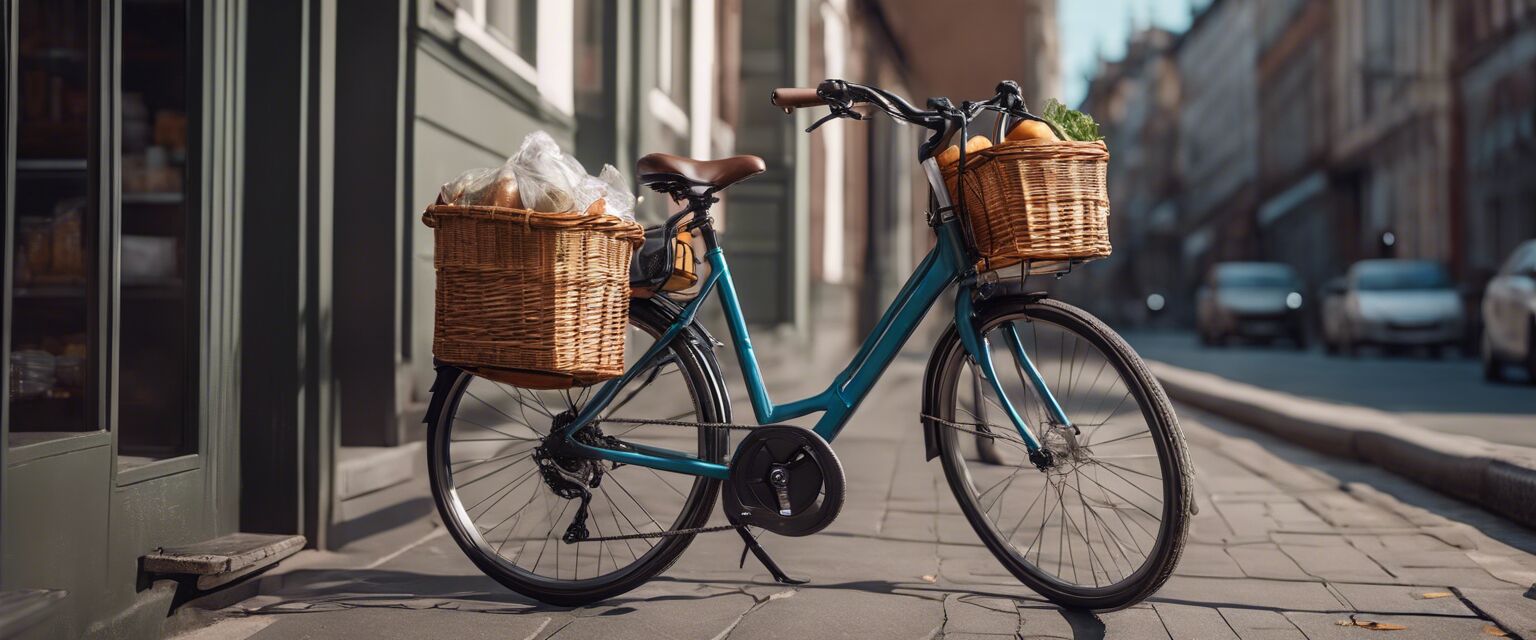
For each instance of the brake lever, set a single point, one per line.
(837, 112)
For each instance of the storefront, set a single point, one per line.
(118, 433)
(217, 292)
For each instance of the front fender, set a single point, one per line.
(950, 341)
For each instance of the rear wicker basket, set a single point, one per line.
(1035, 200)
(540, 300)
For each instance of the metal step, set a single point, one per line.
(22, 609)
(222, 560)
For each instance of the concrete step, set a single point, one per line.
(364, 470)
(222, 560)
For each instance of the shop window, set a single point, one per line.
(54, 350)
(103, 236)
(157, 347)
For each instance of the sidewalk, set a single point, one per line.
(1277, 550)
(1448, 396)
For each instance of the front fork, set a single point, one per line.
(976, 344)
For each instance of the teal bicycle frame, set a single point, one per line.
(948, 263)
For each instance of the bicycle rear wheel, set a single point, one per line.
(496, 503)
(1103, 527)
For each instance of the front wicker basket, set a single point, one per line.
(540, 300)
(1036, 200)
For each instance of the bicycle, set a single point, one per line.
(577, 513)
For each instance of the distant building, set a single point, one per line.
(1391, 126)
(1136, 101)
(1495, 158)
(1218, 135)
(1297, 220)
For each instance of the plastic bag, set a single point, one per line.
(465, 188)
(621, 203)
(547, 179)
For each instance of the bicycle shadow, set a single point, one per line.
(315, 591)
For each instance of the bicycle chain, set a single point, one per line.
(958, 426)
(671, 532)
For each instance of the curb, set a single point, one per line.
(1499, 478)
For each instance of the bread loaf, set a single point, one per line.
(952, 154)
(1031, 130)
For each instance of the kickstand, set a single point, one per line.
(762, 556)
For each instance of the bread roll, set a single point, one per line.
(1031, 130)
(952, 154)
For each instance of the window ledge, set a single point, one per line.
(440, 40)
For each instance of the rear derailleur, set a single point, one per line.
(572, 475)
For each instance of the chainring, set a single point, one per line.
(784, 479)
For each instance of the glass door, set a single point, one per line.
(55, 306)
(156, 342)
(104, 226)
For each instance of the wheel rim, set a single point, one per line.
(504, 513)
(1095, 521)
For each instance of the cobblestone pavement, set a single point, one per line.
(1287, 544)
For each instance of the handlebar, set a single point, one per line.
(941, 117)
(793, 97)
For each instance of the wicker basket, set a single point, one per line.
(540, 300)
(1034, 200)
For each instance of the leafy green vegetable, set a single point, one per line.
(1073, 124)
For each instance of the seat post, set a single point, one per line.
(699, 205)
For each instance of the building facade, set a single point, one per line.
(1218, 135)
(217, 289)
(1494, 75)
(1136, 101)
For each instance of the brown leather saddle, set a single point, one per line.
(677, 175)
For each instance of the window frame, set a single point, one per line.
(553, 73)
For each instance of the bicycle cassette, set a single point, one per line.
(784, 479)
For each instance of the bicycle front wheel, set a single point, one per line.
(1103, 526)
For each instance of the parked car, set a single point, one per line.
(1393, 303)
(1509, 315)
(1250, 300)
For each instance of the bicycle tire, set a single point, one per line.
(951, 363)
(706, 389)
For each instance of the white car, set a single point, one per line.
(1509, 315)
(1393, 303)
(1250, 300)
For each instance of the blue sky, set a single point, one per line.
(1089, 27)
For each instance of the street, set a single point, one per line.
(1287, 544)
(1446, 395)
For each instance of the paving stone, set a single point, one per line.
(1337, 563)
(1266, 561)
(1187, 621)
(1260, 624)
(844, 612)
(1041, 620)
(662, 617)
(1136, 623)
(1452, 559)
(1325, 626)
(1208, 560)
(979, 615)
(1252, 593)
(1511, 608)
(1461, 578)
(1381, 598)
(1343, 510)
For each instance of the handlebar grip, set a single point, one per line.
(788, 98)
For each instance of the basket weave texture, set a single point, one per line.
(537, 299)
(1036, 200)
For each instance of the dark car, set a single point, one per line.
(1260, 300)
